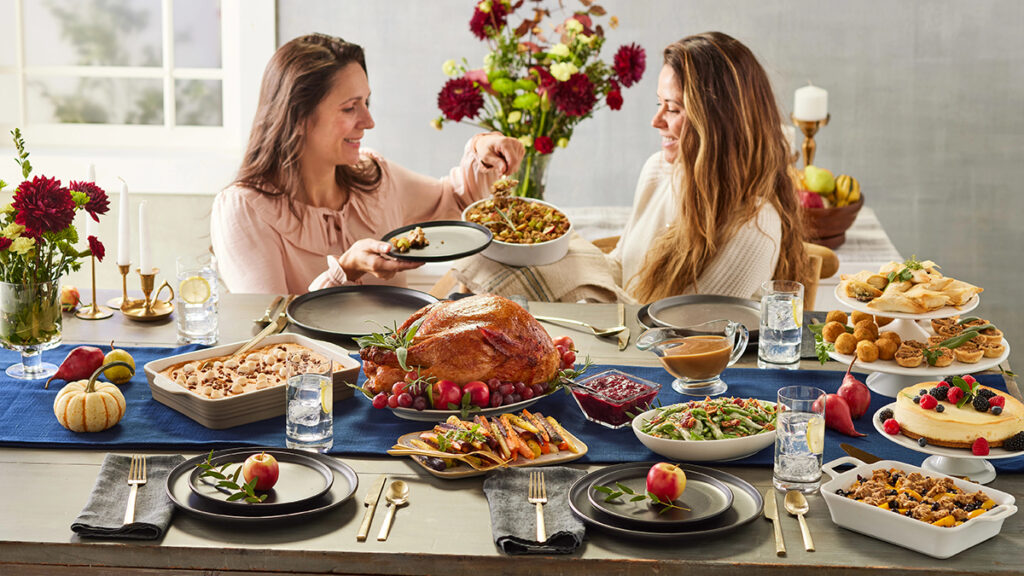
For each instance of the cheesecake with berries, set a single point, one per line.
(929, 410)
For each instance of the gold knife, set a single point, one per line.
(624, 335)
(371, 505)
(865, 457)
(282, 318)
(771, 512)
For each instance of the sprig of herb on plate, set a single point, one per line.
(564, 378)
(821, 348)
(907, 272)
(393, 340)
(230, 484)
(611, 494)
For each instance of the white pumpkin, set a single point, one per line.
(88, 405)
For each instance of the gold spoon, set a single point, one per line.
(796, 505)
(397, 495)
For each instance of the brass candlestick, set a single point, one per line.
(151, 307)
(118, 302)
(94, 311)
(809, 128)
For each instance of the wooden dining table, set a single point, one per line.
(445, 529)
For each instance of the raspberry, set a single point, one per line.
(980, 403)
(943, 384)
(1015, 443)
(997, 401)
(954, 395)
(891, 426)
(980, 447)
(928, 402)
(939, 392)
(969, 379)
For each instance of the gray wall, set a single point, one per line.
(926, 100)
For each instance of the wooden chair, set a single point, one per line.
(824, 263)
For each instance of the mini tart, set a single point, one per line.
(957, 427)
(934, 341)
(945, 358)
(992, 335)
(974, 324)
(968, 352)
(938, 323)
(909, 356)
(993, 350)
(946, 332)
(915, 344)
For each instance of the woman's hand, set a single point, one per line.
(372, 256)
(499, 152)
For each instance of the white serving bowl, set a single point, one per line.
(526, 254)
(702, 450)
(908, 532)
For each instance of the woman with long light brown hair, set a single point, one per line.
(715, 210)
(308, 206)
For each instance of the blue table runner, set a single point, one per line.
(26, 411)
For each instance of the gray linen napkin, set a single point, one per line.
(103, 515)
(514, 520)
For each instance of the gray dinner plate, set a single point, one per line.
(705, 497)
(355, 310)
(692, 309)
(448, 240)
(302, 479)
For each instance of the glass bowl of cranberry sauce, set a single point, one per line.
(611, 398)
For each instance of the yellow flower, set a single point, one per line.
(562, 142)
(23, 245)
(573, 26)
(449, 68)
(613, 22)
(7, 209)
(562, 71)
(514, 116)
(560, 50)
(526, 140)
(583, 38)
(484, 6)
(488, 63)
(436, 123)
(13, 230)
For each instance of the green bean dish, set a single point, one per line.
(712, 419)
(519, 221)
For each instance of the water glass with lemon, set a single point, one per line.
(196, 301)
(782, 313)
(309, 420)
(799, 438)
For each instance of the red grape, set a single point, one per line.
(506, 388)
(507, 399)
(398, 388)
(495, 400)
(493, 384)
(527, 393)
(539, 389)
(392, 401)
(380, 400)
(419, 403)
(519, 387)
(405, 400)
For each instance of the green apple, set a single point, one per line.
(819, 180)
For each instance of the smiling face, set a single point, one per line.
(671, 115)
(335, 128)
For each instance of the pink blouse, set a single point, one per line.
(261, 247)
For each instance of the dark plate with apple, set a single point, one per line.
(343, 485)
(704, 497)
(746, 505)
(305, 479)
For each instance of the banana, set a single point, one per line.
(847, 190)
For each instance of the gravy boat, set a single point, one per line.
(696, 355)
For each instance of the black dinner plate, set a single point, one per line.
(448, 240)
(746, 506)
(705, 497)
(302, 479)
(178, 490)
(351, 311)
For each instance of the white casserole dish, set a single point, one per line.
(904, 531)
(230, 411)
(526, 254)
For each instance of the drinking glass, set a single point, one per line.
(782, 311)
(799, 438)
(196, 301)
(697, 355)
(309, 420)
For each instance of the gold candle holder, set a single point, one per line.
(94, 311)
(809, 128)
(118, 303)
(150, 308)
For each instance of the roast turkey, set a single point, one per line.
(475, 338)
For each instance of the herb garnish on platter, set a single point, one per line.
(393, 340)
(611, 494)
(236, 491)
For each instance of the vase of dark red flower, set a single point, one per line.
(30, 322)
(533, 175)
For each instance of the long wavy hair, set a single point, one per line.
(297, 78)
(733, 156)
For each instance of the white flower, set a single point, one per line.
(526, 140)
(560, 50)
(22, 245)
(573, 26)
(514, 116)
(562, 71)
(449, 68)
(488, 62)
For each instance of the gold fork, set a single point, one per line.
(537, 493)
(136, 478)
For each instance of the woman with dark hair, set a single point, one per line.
(715, 211)
(308, 205)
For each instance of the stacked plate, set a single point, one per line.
(308, 484)
(714, 502)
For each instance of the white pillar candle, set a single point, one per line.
(92, 172)
(145, 257)
(810, 103)
(124, 229)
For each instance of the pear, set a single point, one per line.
(819, 180)
(119, 374)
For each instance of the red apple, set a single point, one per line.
(262, 466)
(446, 392)
(479, 393)
(69, 298)
(811, 200)
(666, 481)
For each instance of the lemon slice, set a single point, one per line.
(326, 397)
(194, 290)
(798, 311)
(816, 435)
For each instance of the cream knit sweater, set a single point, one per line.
(740, 267)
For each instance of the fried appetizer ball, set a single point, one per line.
(857, 316)
(832, 330)
(887, 348)
(846, 343)
(864, 333)
(882, 320)
(869, 324)
(867, 351)
(836, 316)
(890, 336)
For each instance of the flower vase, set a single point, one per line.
(533, 175)
(30, 322)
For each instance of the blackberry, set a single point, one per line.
(884, 415)
(939, 392)
(997, 410)
(922, 442)
(948, 380)
(940, 408)
(985, 392)
(1014, 443)
(980, 403)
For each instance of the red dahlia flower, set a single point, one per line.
(614, 98)
(544, 144)
(630, 63)
(5, 243)
(96, 247)
(495, 19)
(575, 96)
(98, 201)
(43, 206)
(459, 99)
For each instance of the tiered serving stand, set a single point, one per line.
(889, 378)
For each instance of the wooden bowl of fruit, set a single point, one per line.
(827, 226)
